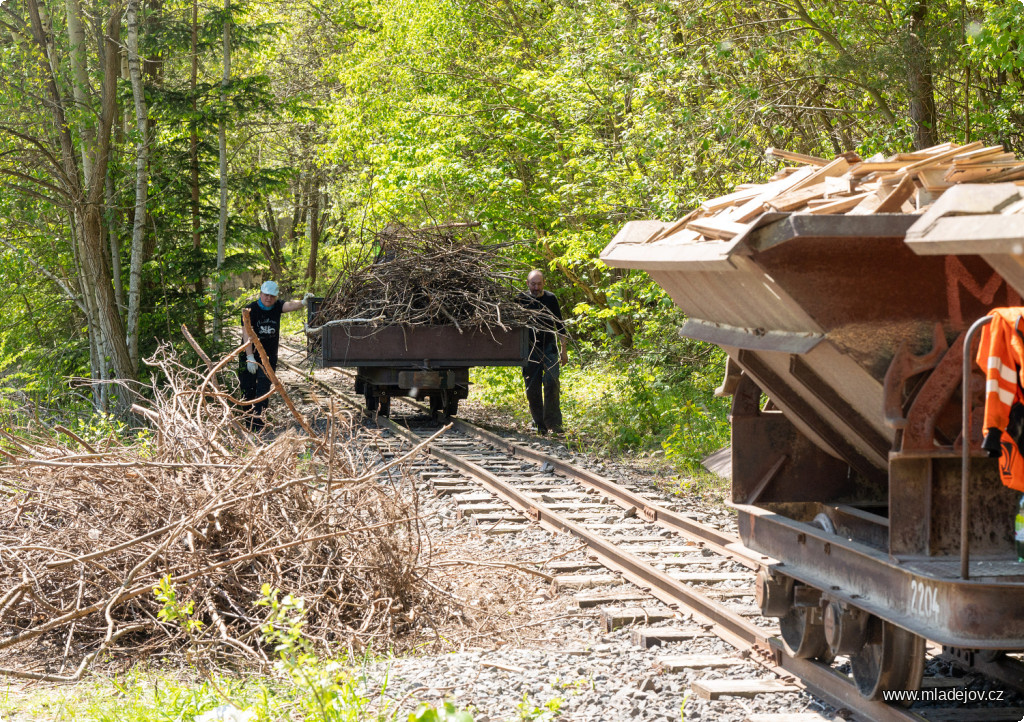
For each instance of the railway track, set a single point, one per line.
(640, 552)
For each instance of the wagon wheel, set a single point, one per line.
(435, 405)
(451, 406)
(804, 634)
(891, 659)
(384, 408)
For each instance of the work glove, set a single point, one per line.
(250, 363)
(305, 299)
(991, 443)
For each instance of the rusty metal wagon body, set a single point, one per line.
(431, 362)
(848, 480)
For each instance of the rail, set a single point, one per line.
(765, 648)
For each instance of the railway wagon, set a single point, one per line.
(881, 526)
(431, 362)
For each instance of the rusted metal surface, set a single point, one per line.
(426, 347)
(921, 595)
(773, 461)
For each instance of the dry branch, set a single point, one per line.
(439, 275)
(84, 540)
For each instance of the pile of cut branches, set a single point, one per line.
(88, 533)
(429, 276)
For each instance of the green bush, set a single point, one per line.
(630, 404)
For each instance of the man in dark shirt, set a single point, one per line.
(265, 318)
(541, 370)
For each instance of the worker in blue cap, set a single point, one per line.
(265, 319)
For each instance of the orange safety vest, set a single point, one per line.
(1001, 356)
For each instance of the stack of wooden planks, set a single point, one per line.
(902, 183)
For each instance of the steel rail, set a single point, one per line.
(708, 536)
(819, 679)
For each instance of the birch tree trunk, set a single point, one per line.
(141, 183)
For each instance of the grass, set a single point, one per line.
(147, 695)
(304, 687)
(630, 407)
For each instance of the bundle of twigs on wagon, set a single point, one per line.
(437, 275)
(164, 547)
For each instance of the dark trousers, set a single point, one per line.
(254, 386)
(542, 389)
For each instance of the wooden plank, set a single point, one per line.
(840, 205)
(613, 618)
(683, 662)
(893, 202)
(862, 169)
(979, 153)
(796, 157)
(447, 490)
(473, 497)
(485, 519)
(989, 173)
(571, 566)
(932, 179)
(499, 529)
(717, 228)
(671, 228)
(996, 158)
(943, 156)
(591, 600)
(837, 167)
(584, 581)
(755, 206)
(471, 509)
(656, 637)
(715, 688)
(843, 185)
(708, 577)
(668, 549)
(716, 204)
(792, 200)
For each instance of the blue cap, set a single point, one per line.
(270, 288)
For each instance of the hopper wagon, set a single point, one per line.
(881, 521)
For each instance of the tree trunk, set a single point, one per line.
(141, 184)
(115, 244)
(314, 231)
(222, 135)
(80, 86)
(921, 90)
(193, 164)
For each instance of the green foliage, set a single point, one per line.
(447, 712)
(173, 610)
(330, 689)
(550, 710)
(643, 402)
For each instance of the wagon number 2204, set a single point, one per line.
(923, 599)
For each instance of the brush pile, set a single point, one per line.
(87, 533)
(429, 276)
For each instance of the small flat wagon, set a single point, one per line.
(430, 362)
